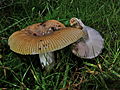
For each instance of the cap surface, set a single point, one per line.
(53, 24)
(44, 28)
(31, 41)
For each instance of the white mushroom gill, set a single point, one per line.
(92, 43)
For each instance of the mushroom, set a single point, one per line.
(91, 45)
(43, 39)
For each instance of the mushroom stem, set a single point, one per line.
(46, 59)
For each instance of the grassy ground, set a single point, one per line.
(69, 72)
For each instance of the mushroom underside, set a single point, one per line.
(92, 43)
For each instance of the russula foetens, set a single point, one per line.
(43, 39)
(91, 45)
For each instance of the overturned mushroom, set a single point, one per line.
(35, 39)
(91, 45)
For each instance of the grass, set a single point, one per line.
(70, 72)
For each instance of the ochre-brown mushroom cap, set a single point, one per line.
(22, 43)
(43, 37)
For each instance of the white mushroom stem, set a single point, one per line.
(46, 59)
